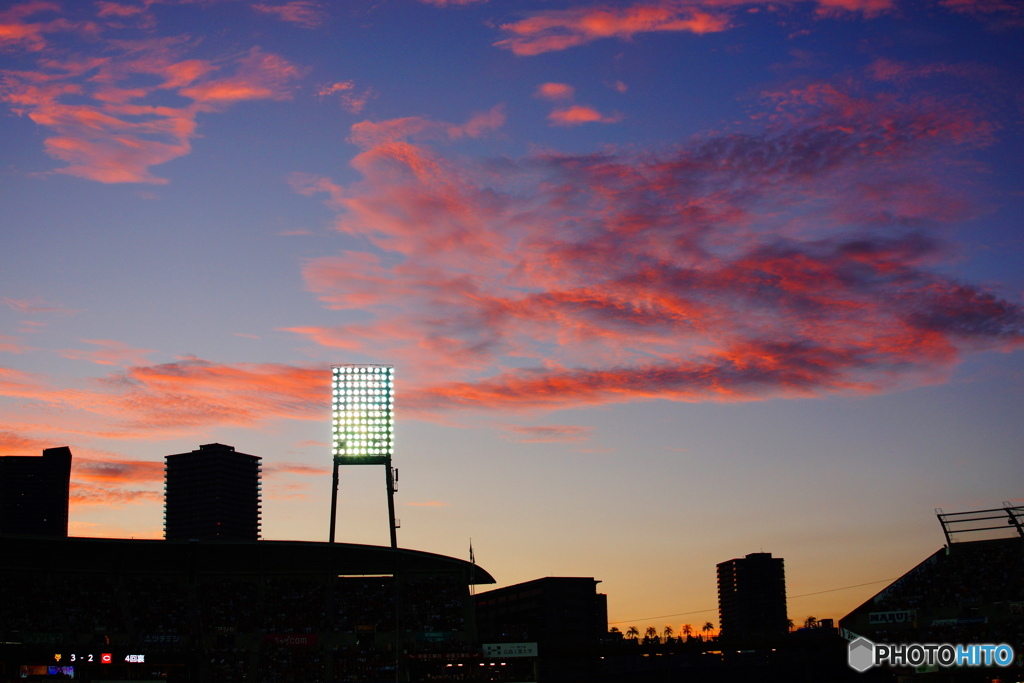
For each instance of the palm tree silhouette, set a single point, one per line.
(707, 627)
(633, 632)
(687, 631)
(810, 622)
(652, 632)
(668, 632)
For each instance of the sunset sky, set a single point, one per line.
(664, 282)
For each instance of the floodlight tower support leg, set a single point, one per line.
(391, 503)
(334, 500)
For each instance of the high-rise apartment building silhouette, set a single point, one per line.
(34, 493)
(212, 493)
(752, 597)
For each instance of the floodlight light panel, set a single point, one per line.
(362, 411)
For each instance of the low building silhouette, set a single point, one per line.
(101, 609)
(969, 591)
(565, 617)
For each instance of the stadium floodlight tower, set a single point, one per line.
(363, 426)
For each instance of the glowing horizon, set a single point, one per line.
(667, 281)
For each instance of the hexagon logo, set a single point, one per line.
(861, 654)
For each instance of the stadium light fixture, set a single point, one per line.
(363, 427)
(362, 413)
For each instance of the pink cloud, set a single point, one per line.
(451, 3)
(110, 352)
(303, 13)
(555, 91)
(998, 13)
(9, 344)
(17, 30)
(300, 470)
(561, 29)
(34, 306)
(370, 134)
(101, 117)
(579, 114)
(259, 75)
(334, 88)
(793, 260)
(313, 444)
(867, 8)
(903, 73)
(550, 433)
(352, 101)
(553, 30)
(116, 9)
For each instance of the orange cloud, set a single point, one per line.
(19, 384)
(578, 114)
(172, 399)
(117, 471)
(561, 29)
(14, 443)
(83, 494)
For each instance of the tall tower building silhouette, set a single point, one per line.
(212, 493)
(752, 597)
(34, 493)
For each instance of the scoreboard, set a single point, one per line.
(71, 664)
(79, 658)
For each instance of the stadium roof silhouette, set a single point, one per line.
(82, 554)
